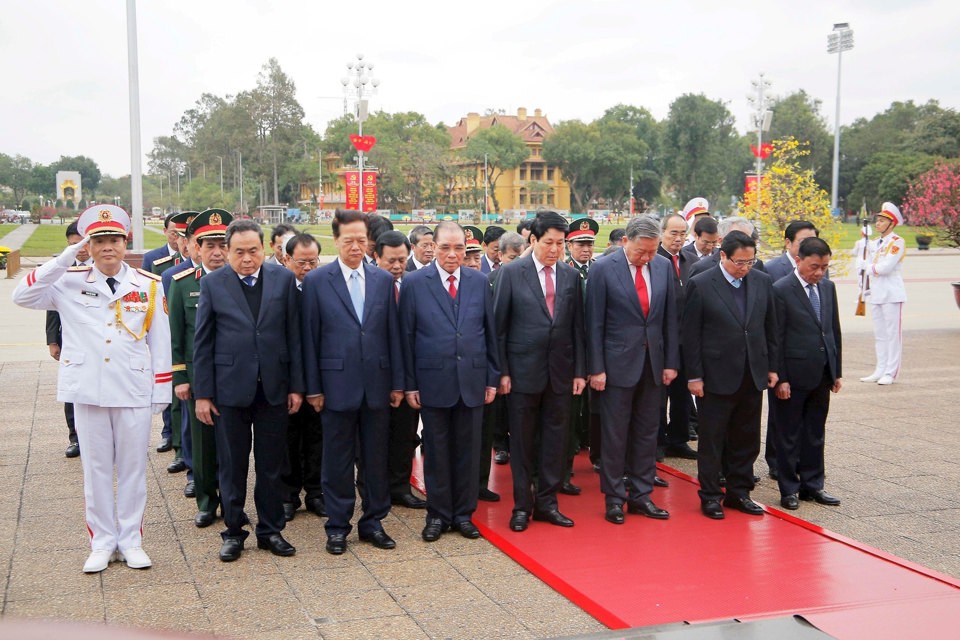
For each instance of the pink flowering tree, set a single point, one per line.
(933, 202)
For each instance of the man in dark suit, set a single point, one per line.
(633, 348)
(354, 375)
(783, 265)
(538, 308)
(450, 353)
(727, 225)
(491, 248)
(730, 351)
(809, 368)
(706, 237)
(674, 433)
(248, 370)
(422, 245)
(170, 249)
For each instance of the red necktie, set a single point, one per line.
(396, 291)
(641, 285)
(452, 289)
(550, 294)
(676, 265)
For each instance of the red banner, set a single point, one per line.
(352, 180)
(353, 195)
(369, 192)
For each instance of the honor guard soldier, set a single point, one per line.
(584, 425)
(694, 209)
(885, 293)
(474, 256)
(208, 229)
(114, 368)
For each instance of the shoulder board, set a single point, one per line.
(163, 260)
(152, 276)
(183, 274)
(82, 269)
(894, 236)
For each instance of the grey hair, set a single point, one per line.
(512, 241)
(645, 226)
(735, 223)
(241, 226)
(667, 218)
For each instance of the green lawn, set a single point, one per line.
(5, 229)
(49, 239)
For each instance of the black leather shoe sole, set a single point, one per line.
(821, 498)
(73, 451)
(568, 489)
(164, 446)
(660, 482)
(790, 502)
(336, 544)
(204, 519)
(432, 532)
(177, 466)
(748, 507)
(380, 540)
(649, 510)
(488, 496)
(712, 509)
(230, 550)
(277, 546)
(553, 517)
(468, 530)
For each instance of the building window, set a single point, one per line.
(536, 173)
(549, 174)
(523, 172)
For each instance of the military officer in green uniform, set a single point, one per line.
(179, 223)
(208, 230)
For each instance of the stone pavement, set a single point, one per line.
(16, 238)
(890, 457)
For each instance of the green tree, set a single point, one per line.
(648, 177)
(572, 148)
(43, 181)
(88, 169)
(886, 178)
(798, 115)
(503, 150)
(15, 173)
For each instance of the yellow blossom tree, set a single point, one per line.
(789, 192)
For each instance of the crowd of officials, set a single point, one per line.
(516, 348)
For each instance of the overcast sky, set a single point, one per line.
(65, 62)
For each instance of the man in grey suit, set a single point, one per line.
(248, 372)
(633, 348)
(538, 308)
(809, 368)
(730, 351)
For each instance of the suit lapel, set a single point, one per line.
(367, 291)
(269, 286)
(722, 288)
(801, 293)
(533, 281)
(623, 275)
(439, 291)
(233, 285)
(338, 285)
(752, 294)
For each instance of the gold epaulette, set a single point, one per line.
(163, 260)
(152, 276)
(179, 367)
(79, 269)
(183, 274)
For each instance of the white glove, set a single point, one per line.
(69, 255)
(158, 407)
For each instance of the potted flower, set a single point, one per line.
(923, 241)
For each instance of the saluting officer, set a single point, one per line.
(114, 368)
(208, 230)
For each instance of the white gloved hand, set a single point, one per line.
(158, 407)
(69, 255)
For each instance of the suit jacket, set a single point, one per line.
(232, 349)
(691, 252)
(718, 343)
(529, 338)
(449, 345)
(808, 343)
(54, 328)
(679, 281)
(410, 265)
(167, 276)
(619, 337)
(713, 260)
(183, 298)
(485, 265)
(153, 255)
(350, 358)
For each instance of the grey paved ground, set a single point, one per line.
(891, 457)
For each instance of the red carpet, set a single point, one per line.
(689, 568)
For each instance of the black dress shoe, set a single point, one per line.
(712, 509)
(316, 506)
(569, 489)
(519, 521)
(289, 511)
(791, 502)
(647, 508)
(681, 451)
(379, 539)
(73, 450)
(177, 466)
(614, 514)
(276, 544)
(756, 478)
(165, 445)
(435, 527)
(409, 501)
(488, 496)
(554, 517)
(204, 518)
(468, 530)
(744, 504)
(336, 543)
(821, 496)
(501, 457)
(230, 549)
(660, 482)
(190, 490)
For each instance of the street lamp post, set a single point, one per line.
(359, 75)
(837, 42)
(762, 118)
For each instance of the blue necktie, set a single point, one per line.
(736, 283)
(814, 300)
(249, 280)
(356, 294)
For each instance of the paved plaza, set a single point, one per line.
(891, 457)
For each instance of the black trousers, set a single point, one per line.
(539, 425)
(494, 421)
(452, 460)
(629, 421)
(402, 442)
(770, 444)
(675, 406)
(800, 430)
(264, 427)
(354, 436)
(305, 455)
(71, 424)
(729, 440)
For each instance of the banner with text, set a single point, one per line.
(354, 192)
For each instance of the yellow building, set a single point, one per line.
(532, 185)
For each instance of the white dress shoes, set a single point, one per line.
(136, 558)
(885, 380)
(873, 377)
(98, 560)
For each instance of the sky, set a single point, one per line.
(66, 87)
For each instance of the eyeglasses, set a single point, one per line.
(306, 263)
(744, 263)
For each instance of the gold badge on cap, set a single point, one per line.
(468, 234)
(584, 226)
(105, 215)
(215, 219)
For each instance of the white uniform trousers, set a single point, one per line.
(114, 437)
(888, 333)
